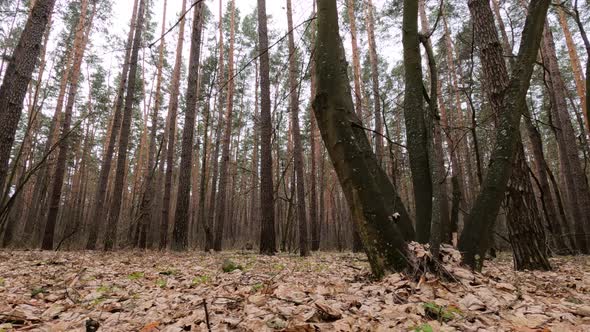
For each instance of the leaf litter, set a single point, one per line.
(156, 291)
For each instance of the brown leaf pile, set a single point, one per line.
(152, 291)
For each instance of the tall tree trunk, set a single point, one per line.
(100, 196)
(575, 64)
(181, 216)
(415, 122)
(17, 77)
(222, 192)
(356, 64)
(297, 145)
(440, 212)
(314, 143)
(171, 139)
(254, 220)
(267, 204)
(578, 193)
(370, 20)
(145, 213)
(27, 146)
(116, 200)
(377, 210)
(587, 46)
(508, 100)
(82, 34)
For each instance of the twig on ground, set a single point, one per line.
(206, 315)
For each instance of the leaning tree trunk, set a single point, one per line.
(181, 216)
(525, 230)
(17, 77)
(508, 99)
(377, 210)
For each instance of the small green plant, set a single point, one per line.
(229, 266)
(423, 328)
(204, 279)
(161, 283)
(135, 275)
(104, 288)
(37, 291)
(278, 267)
(441, 313)
(2, 282)
(256, 287)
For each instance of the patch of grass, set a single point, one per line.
(441, 313)
(198, 280)
(2, 282)
(161, 283)
(229, 266)
(98, 300)
(256, 287)
(105, 288)
(136, 275)
(278, 267)
(423, 328)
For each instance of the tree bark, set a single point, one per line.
(297, 145)
(374, 60)
(17, 77)
(116, 200)
(222, 193)
(381, 218)
(267, 232)
(181, 216)
(415, 122)
(578, 192)
(171, 139)
(82, 34)
(107, 159)
(508, 100)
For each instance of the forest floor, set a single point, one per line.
(154, 291)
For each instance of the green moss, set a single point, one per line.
(229, 266)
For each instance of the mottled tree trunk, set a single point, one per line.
(525, 229)
(414, 115)
(508, 99)
(17, 77)
(376, 208)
